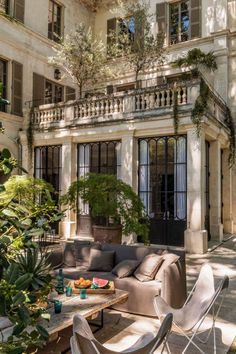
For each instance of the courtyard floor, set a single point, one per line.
(121, 329)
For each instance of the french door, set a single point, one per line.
(163, 187)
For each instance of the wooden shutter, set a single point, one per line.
(38, 90)
(139, 20)
(161, 16)
(17, 88)
(19, 10)
(195, 19)
(111, 31)
(110, 89)
(70, 93)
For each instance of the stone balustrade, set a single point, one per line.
(121, 105)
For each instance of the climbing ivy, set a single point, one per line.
(200, 106)
(232, 142)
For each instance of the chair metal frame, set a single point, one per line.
(160, 339)
(194, 333)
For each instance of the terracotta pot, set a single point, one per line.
(108, 234)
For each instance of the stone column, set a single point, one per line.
(195, 237)
(216, 227)
(68, 175)
(27, 151)
(227, 194)
(129, 160)
(129, 169)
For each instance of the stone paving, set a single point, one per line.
(121, 330)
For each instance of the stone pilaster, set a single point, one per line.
(216, 227)
(195, 235)
(68, 175)
(129, 168)
(227, 194)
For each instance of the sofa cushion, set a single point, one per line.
(141, 295)
(74, 273)
(69, 255)
(125, 268)
(102, 261)
(82, 251)
(168, 258)
(148, 267)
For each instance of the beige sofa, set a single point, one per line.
(171, 286)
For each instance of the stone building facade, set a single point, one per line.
(183, 179)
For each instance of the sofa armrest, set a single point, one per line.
(173, 289)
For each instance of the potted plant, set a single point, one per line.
(114, 207)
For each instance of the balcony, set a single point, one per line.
(135, 104)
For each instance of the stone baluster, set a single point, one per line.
(179, 96)
(151, 100)
(162, 98)
(115, 105)
(143, 101)
(167, 97)
(184, 98)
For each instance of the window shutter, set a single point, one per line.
(19, 10)
(111, 31)
(195, 19)
(17, 89)
(38, 90)
(161, 15)
(70, 93)
(110, 89)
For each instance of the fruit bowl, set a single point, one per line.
(82, 283)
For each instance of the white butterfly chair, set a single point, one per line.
(84, 342)
(202, 299)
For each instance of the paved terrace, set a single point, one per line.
(121, 330)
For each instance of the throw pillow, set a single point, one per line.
(168, 258)
(148, 268)
(69, 255)
(101, 261)
(82, 252)
(125, 268)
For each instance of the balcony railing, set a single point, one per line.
(122, 105)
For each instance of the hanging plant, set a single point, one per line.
(195, 60)
(200, 106)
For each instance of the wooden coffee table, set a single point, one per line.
(89, 308)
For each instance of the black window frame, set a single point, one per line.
(55, 32)
(166, 192)
(180, 33)
(99, 168)
(53, 98)
(4, 93)
(44, 170)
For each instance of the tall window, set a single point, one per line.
(54, 21)
(48, 165)
(99, 157)
(119, 29)
(162, 177)
(179, 22)
(53, 92)
(3, 82)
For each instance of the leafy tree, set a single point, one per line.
(24, 277)
(139, 45)
(83, 58)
